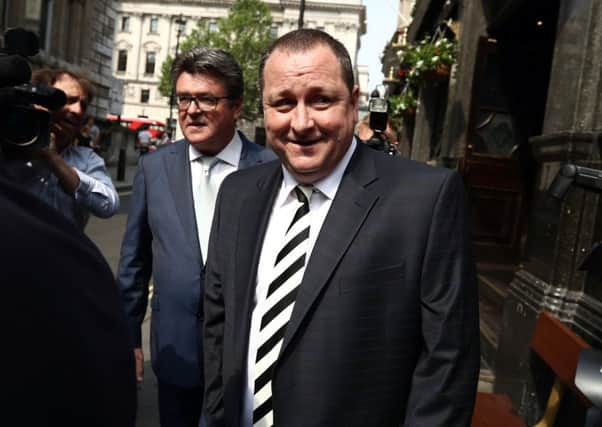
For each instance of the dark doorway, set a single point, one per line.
(511, 79)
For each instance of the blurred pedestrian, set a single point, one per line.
(94, 134)
(145, 139)
(166, 138)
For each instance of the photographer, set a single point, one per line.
(71, 179)
(66, 348)
(368, 136)
(376, 130)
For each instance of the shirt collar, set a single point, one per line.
(328, 185)
(230, 153)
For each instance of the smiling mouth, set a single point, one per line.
(305, 143)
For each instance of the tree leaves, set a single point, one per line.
(245, 33)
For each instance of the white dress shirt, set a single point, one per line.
(283, 211)
(227, 163)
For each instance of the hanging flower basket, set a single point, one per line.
(404, 104)
(438, 75)
(428, 61)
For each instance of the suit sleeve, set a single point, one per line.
(213, 326)
(445, 378)
(135, 264)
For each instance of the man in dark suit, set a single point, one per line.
(169, 221)
(66, 355)
(361, 312)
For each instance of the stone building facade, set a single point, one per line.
(146, 33)
(522, 100)
(74, 34)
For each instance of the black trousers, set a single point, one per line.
(180, 407)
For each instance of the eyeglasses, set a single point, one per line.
(203, 103)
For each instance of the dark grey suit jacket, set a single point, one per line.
(384, 331)
(161, 238)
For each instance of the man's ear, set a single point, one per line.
(355, 96)
(236, 105)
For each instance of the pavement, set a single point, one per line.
(107, 234)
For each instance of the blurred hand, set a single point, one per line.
(139, 357)
(48, 152)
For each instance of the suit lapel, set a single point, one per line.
(347, 213)
(177, 166)
(246, 160)
(253, 222)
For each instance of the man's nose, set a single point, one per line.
(193, 108)
(76, 108)
(302, 120)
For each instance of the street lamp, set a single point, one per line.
(301, 13)
(180, 22)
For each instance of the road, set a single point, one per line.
(107, 234)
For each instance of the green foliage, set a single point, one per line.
(245, 33)
(421, 60)
(420, 64)
(404, 103)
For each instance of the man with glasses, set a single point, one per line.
(169, 221)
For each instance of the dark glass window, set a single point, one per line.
(122, 60)
(150, 63)
(144, 96)
(125, 23)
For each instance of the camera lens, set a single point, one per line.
(25, 127)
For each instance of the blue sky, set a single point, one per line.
(381, 19)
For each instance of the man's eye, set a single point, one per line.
(282, 104)
(321, 101)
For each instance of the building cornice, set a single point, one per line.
(278, 7)
(281, 5)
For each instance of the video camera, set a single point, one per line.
(379, 116)
(23, 124)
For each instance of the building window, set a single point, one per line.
(122, 60)
(212, 27)
(33, 15)
(154, 25)
(125, 23)
(274, 32)
(144, 96)
(150, 63)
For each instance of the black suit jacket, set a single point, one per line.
(66, 358)
(384, 331)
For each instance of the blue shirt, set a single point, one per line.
(95, 194)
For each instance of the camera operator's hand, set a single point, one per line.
(68, 178)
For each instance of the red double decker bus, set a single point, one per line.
(155, 127)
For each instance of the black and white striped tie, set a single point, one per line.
(278, 307)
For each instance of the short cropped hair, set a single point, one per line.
(215, 62)
(49, 76)
(306, 39)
